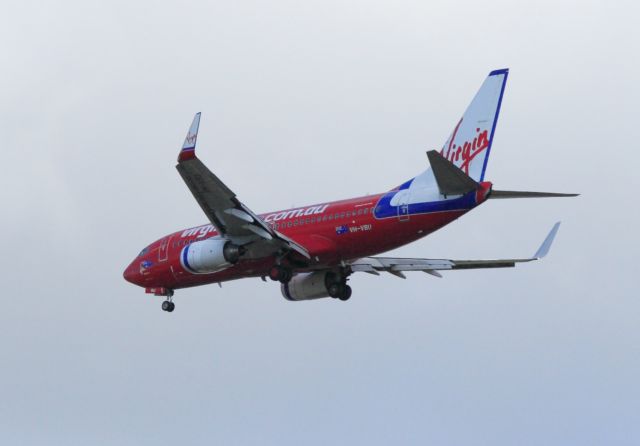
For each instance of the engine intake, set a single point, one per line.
(210, 255)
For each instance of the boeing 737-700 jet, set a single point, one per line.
(313, 250)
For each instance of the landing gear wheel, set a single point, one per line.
(280, 274)
(346, 293)
(168, 306)
(335, 290)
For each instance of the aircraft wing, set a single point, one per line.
(231, 218)
(397, 266)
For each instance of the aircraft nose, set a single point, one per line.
(132, 274)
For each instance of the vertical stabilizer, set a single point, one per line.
(470, 142)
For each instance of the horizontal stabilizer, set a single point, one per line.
(517, 194)
(451, 179)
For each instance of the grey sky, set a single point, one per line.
(306, 102)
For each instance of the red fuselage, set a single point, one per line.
(331, 233)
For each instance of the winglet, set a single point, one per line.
(188, 150)
(544, 248)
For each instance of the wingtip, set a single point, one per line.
(548, 241)
(188, 150)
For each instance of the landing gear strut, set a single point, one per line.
(280, 274)
(168, 304)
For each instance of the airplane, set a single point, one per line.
(313, 250)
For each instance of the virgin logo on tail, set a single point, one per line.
(463, 154)
(191, 138)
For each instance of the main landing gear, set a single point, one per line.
(168, 304)
(340, 291)
(337, 287)
(280, 274)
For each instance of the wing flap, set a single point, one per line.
(396, 265)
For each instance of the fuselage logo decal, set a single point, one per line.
(199, 231)
(313, 210)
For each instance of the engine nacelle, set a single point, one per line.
(210, 255)
(306, 286)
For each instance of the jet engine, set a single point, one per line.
(306, 286)
(210, 255)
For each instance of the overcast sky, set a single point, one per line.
(305, 102)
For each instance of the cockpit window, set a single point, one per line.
(143, 252)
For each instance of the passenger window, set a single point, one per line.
(341, 214)
(289, 224)
(366, 210)
(295, 222)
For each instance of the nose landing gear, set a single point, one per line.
(168, 304)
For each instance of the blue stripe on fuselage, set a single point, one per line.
(384, 209)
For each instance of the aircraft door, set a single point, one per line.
(403, 205)
(163, 251)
